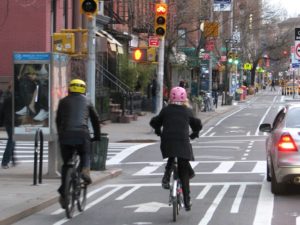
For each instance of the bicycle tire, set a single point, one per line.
(69, 194)
(81, 201)
(175, 208)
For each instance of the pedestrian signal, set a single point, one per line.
(139, 54)
(160, 23)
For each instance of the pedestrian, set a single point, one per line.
(273, 85)
(154, 93)
(72, 119)
(175, 121)
(6, 119)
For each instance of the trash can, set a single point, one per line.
(99, 153)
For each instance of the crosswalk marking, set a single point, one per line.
(223, 167)
(24, 150)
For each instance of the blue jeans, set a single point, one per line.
(10, 146)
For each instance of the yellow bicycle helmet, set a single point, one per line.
(77, 86)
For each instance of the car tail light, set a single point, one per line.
(286, 143)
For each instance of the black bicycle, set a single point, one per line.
(75, 188)
(176, 195)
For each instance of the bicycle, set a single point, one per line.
(176, 195)
(75, 188)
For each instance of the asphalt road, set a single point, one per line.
(229, 187)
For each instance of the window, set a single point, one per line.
(181, 38)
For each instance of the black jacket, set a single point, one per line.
(73, 114)
(176, 121)
(6, 111)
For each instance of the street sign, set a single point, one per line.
(297, 50)
(153, 41)
(297, 34)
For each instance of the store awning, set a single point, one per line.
(115, 46)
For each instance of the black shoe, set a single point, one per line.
(165, 183)
(5, 166)
(62, 203)
(85, 175)
(187, 203)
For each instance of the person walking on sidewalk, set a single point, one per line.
(7, 121)
(273, 85)
(73, 114)
(175, 119)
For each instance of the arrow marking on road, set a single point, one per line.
(150, 207)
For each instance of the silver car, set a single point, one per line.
(283, 148)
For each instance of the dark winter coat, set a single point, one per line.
(176, 121)
(6, 112)
(72, 117)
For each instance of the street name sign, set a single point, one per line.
(297, 34)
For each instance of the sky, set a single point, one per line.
(292, 6)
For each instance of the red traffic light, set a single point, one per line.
(160, 23)
(161, 8)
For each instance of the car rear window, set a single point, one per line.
(293, 118)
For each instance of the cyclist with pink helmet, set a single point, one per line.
(176, 119)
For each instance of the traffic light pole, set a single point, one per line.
(160, 75)
(91, 65)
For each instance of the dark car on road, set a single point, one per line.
(283, 148)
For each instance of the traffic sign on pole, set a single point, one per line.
(297, 50)
(297, 34)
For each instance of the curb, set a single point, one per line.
(52, 198)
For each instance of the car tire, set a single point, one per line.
(276, 188)
(268, 174)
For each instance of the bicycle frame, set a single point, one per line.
(75, 190)
(176, 196)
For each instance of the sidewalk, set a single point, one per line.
(20, 198)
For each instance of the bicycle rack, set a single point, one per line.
(38, 134)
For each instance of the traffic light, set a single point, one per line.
(160, 23)
(89, 7)
(139, 54)
(230, 57)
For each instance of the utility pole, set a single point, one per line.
(160, 69)
(91, 65)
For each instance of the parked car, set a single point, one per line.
(283, 148)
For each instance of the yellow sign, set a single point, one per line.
(64, 42)
(211, 29)
(247, 66)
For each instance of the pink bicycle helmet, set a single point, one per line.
(178, 94)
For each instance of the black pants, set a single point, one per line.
(67, 149)
(184, 172)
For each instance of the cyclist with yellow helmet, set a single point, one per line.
(73, 113)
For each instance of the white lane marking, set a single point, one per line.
(125, 153)
(260, 167)
(212, 134)
(248, 133)
(264, 116)
(207, 132)
(127, 193)
(238, 199)
(204, 192)
(224, 118)
(211, 210)
(265, 205)
(224, 167)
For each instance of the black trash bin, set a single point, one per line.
(99, 153)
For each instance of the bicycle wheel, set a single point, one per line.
(81, 198)
(69, 193)
(175, 207)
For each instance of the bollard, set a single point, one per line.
(38, 133)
